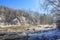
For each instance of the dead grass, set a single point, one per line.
(21, 28)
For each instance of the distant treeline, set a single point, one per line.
(23, 17)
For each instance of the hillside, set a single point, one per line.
(23, 19)
(9, 16)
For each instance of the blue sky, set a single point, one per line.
(22, 4)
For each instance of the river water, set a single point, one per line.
(36, 35)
